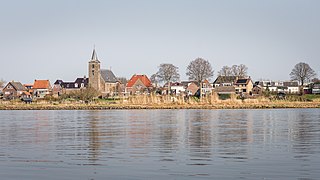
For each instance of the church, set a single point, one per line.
(103, 80)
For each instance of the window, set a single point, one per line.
(92, 66)
(76, 85)
(92, 72)
(82, 85)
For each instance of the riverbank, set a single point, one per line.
(244, 105)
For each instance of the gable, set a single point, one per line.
(17, 86)
(9, 86)
(143, 78)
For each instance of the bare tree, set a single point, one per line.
(154, 79)
(239, 71)
(167, 73)
(2, 83)
(225, 71)
(302, 72)
(199, 70)
(122, 80)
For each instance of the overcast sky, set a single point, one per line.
(42, 39)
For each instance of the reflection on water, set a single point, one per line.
(159, 144)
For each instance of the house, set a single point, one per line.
(257, 90)
(138, 84)
(224, 81)
(60, 87)
(103, 80)
(206, 87)
(287, 87)
(177, 88)
(191, 87)
(316, 88)
(243, 85)
(41, 88)
(225, 90)
(28, 86)
(291, 87)
(13, 90)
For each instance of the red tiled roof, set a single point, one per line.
(41, 84)
(143, 78)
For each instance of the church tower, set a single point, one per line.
(94, 72)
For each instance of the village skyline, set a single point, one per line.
(211, 79)
(54, 40)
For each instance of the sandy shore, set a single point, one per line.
(262, 105)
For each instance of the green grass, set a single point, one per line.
(224, 96)
(312, 97)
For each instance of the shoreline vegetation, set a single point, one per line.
(160, 102)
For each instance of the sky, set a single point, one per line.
(42, 39)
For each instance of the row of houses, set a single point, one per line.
(17, 90)
(107, 84)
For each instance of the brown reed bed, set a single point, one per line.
(198, 105)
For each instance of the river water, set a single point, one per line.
(160, 144)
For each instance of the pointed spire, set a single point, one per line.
(94, 56)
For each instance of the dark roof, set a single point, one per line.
(58, 82)
(94, 57)
(108, 76)
(71, 85)
(241, 81)
(225, 79)
(85, 81)
(18, 86)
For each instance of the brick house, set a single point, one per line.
(243, 85)
(191, 87)
(13, 90)
(138, 84)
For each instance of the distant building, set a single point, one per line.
(288, 87)
(191, 87)
(41, 88)
(225, 90)
(60, 87)
(28, 86)
(13, 90)
(103, 80)
(138, 84)
(225, 81)
(177, 88)
(206, 87)
(316, 88)
(244, 86)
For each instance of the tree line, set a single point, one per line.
(200, 69)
